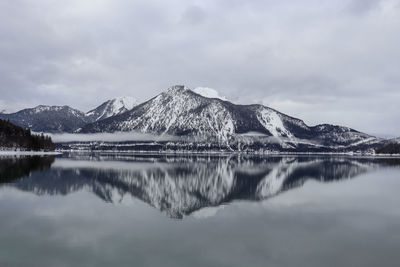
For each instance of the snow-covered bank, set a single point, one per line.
(27, 153)
(228, 153)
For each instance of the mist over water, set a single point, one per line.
(110, 137)
(124, 210)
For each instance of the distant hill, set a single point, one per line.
(15, 137)
(51, 119)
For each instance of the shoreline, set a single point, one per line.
(28, 153)
(228, 153)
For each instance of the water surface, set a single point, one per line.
(143, 210)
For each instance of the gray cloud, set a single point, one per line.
(322, 61)
(362, 6)
(193, 15)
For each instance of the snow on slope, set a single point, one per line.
(273, 123)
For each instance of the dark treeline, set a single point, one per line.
(389, 149)
(15, 137)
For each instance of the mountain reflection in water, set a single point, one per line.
(178, 186)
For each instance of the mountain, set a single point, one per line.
(59, 119)
(181, 112)
(14, 137)
(54, 119)
(112, 107)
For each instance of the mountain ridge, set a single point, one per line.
(44, 118)
(59, 119)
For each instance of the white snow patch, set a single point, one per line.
(273, 123)
(370, 139)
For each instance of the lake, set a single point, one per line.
(146, 210)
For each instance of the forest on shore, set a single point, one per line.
(13, 137)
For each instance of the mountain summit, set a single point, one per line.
(111, 108)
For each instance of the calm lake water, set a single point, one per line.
(121, 210)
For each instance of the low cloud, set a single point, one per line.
(110, 137)
(209, 92)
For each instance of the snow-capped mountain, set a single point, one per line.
(112, 107)
(48, 118)
(181, 112)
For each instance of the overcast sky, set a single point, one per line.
(321, 61)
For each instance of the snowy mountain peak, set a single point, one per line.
(126, 101)
(112, 107)
(176, 89)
